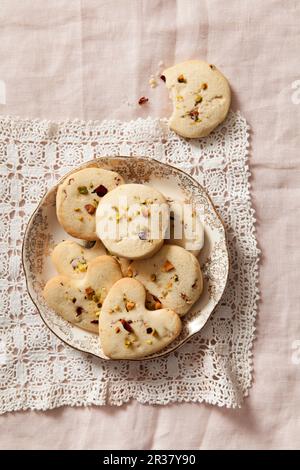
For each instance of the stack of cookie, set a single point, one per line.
(133, 280)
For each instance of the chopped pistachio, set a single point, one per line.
(153, 277)
(95, 298)
(77, 209)
(81, 267)
(198, 99)
(149, 341)
(127, 342)
(82, 190)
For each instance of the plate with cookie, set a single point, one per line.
(125, 258)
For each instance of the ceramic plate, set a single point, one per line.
(43, 232)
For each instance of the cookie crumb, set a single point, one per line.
(152, 82)
(143, 100)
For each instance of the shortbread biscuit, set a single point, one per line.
(201, 97)
(79, 301)
(78, 197)
(127, 329)
(173, 276)
(132, 220)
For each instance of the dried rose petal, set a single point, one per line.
(100, 190)
(126, 325)
(79, 311)
(194, 115)
(163, 78)
(142, 235)
(95, 322)
(143, 100)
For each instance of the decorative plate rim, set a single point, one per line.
(54, 187)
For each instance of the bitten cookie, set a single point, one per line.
(78, 197)
(71, 259)
(132, 220)
(80, 301)
(127, 329)
(173, 276)
(201, 97)
(186, 229)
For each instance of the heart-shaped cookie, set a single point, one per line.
(79, 301)
(127, 329)
(172, 275)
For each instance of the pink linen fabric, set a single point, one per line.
(92, 59)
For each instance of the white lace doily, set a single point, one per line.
(37, 370)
